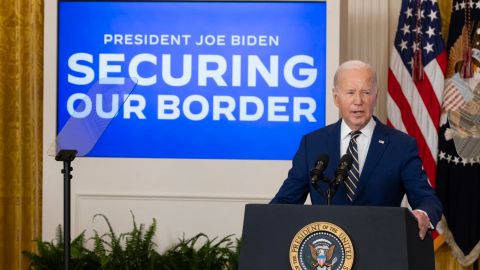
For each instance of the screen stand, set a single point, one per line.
(67, 156)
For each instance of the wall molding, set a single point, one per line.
(172, 197)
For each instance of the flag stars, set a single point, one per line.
(420, 37)
(420, 14)
(428, 47)
(417, 29)
(457, 7)
(405, 29)
(441, 155)
(477, 4)
(456, 160)
(430, 32)
(403, 45)
(408, 12)
(411, 63)
(432, 15)
(415, 46)
(462, 5)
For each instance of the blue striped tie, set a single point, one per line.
(354, 173)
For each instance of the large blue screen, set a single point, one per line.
(214, 80)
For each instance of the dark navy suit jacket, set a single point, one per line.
(392, 169)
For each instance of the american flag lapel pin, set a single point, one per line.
(381, 141)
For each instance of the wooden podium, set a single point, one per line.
(382, 237)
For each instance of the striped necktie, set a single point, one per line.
(354, 173)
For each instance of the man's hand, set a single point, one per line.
(423, 222)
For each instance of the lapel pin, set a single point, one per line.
(381, 141)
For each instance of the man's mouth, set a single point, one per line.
(357, 113)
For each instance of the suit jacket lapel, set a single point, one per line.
(376, 150)
(334, 145)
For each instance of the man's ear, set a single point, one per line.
(335, 97)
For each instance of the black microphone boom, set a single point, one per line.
(316, 173)
(340, 174)
(343, 167)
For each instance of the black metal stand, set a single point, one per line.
(67, 156)
(332, 189)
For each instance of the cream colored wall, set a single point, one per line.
(371, 31)
(185, 196)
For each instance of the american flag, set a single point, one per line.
(416, 78)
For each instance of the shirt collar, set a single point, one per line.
(367, 130)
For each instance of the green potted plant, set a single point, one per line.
(136, 250)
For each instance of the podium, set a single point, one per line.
(380, 237)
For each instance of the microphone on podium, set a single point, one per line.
(316, 173)
(342, 169)
(341, 172)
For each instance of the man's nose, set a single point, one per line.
(357, 98)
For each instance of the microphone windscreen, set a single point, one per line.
(324, 159)
(347, 158)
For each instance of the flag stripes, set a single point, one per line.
(414, 104)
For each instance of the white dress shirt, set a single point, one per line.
(363, 141)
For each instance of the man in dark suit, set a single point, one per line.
(385, 166)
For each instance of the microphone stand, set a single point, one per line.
(340, 174)
(67, 156)
(332, 188)
(317, 187)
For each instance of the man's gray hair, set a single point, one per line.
(354, 64)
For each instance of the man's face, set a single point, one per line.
(355, 96)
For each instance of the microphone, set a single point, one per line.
(342, 169)
(316, 173)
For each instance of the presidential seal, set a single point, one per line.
(321, 246)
